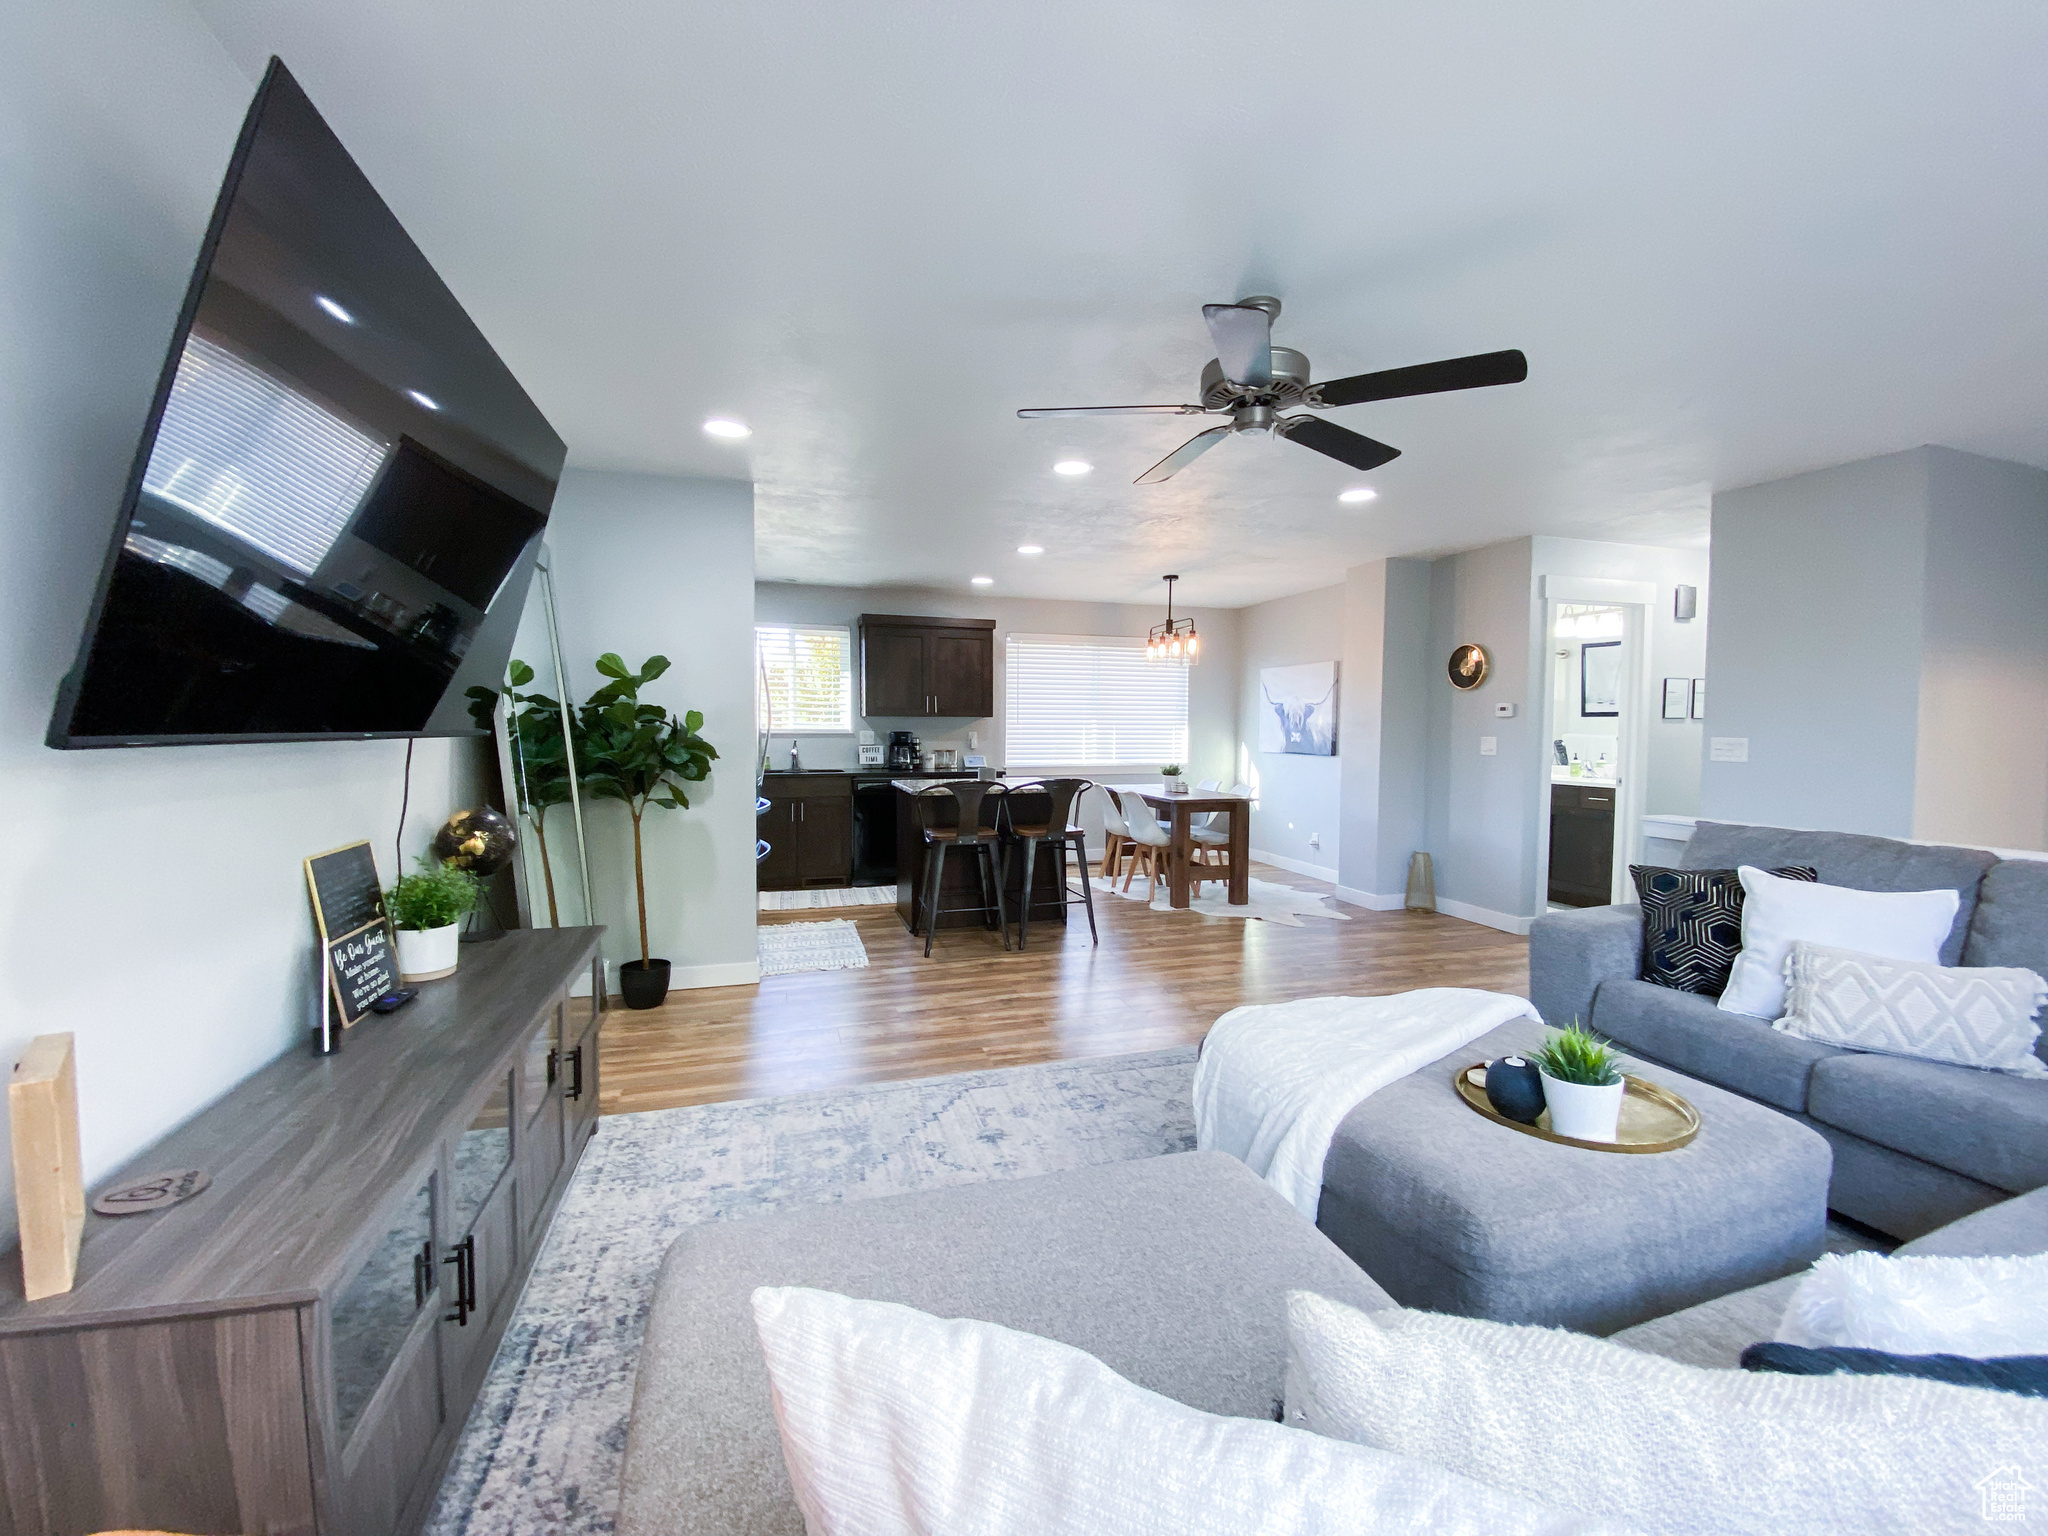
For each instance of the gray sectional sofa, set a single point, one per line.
(1917, 1144)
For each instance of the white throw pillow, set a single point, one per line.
(1899, 925)
(1976, 1016)
(1676, 1450)
(1922, 1304)
(895, 1423)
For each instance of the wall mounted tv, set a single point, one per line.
(339, 496)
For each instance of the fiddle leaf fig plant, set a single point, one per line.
(540, 754)
(639, 753)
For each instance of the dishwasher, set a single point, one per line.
(874, 830)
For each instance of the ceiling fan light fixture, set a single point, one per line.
(1358, 493)
(725, 426)
(1072, 467)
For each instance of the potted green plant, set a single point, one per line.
(1582, 1083)
(640, 754)
(427, 909)
(1175, 783)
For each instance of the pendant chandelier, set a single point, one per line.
(1175, 640)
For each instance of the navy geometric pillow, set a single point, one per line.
(1692, 924)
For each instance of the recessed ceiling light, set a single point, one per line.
(334, 309)
(1358, 493)
(1072, 467)
(983, 581)
(1030, 549)
(725, 426)
(427, 400)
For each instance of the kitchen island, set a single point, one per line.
(962, 884)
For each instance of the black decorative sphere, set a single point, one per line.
(1515, 1089)
(480, 841)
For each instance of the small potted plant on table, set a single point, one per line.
(1176, 784)
(1582, 1083)
(427, 909)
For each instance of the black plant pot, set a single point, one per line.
(643, 983)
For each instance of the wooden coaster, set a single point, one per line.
(153, 1192)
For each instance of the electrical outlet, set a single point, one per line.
(1728, 749)
(1489, 746)
(1505, 711)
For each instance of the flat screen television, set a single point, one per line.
(339, 496)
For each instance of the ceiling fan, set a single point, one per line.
(1251, 381)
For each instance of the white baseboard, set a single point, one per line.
(1371, 902)
(1485, 916)
(1296, 866)
(684, 978)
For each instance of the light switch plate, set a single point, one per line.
(1489, 746)
(1728, 749)
(1505, 711)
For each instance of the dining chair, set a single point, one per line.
(1042, 811)
(1116, 834)
(975, 827)
(1151, 846)
(1210, 842)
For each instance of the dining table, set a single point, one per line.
(1181, 808)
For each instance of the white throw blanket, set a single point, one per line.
(1276, 1079)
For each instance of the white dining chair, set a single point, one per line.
(1150, 845)
(1116, 834)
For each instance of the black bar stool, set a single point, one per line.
(971, 828)
(1042, 812)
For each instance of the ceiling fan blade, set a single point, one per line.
(1112, 410)
(1183, 456)
(1340, 443)
(1427, 378)
(1244, 342)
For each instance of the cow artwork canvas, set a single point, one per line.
(1298, 709)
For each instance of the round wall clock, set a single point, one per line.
(1468, 667)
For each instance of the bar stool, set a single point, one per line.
(966, 797)
(1020, 810)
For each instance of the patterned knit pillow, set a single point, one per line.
(1692, 924)
(1981, 1016)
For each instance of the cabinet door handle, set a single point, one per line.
(575, 1073)
(554, 1066)
(422, 1274)
(464, 1260)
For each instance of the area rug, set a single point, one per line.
(542, 1449)
(829, 896)
(790, 947)
(1270, 901)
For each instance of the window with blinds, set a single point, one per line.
(250, 453)
(1091, 701)
(805, 677)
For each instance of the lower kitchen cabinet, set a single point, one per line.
(1581, 845)
(809, 830)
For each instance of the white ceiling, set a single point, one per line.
(1736, 241)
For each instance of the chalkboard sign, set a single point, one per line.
(361, 966)
(348, 910)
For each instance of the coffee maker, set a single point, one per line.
(903, 750)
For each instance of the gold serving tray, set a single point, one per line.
(1653, 1119)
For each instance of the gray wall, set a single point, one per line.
(1299, 797)
(1880, 636)
(658, 564)
(1981, 754)
(118, 125)
(1813, 654)
(1385, 724)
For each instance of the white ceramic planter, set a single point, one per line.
(1175, 786)
(1581, 1111)
(428, 954)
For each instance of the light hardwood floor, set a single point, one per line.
(1155, 981)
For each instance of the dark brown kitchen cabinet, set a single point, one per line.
(927, 667)
(809, 830)
(1581, 845)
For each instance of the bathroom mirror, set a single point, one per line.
(536, 756)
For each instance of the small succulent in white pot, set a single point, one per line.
(1582, 1083)
(1176, 784)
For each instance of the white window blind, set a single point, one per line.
(1091, 701)
(806, 677)
(248, 452)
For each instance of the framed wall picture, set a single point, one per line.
(1298, 709)
(1600, 678)
(1677, 698)
(1699, 698)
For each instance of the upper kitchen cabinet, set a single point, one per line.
(939, 668)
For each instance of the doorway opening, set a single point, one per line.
(1594, 668)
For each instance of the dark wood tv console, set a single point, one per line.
(296, 1348)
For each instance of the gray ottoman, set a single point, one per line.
(1173, 1271)
(1452, 1213)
